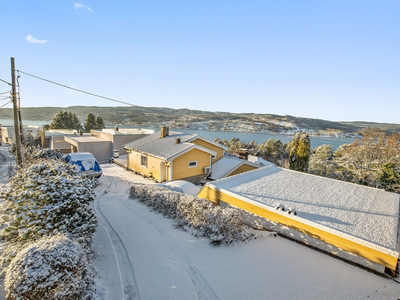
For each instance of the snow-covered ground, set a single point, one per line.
(6, 159)
(139, 255)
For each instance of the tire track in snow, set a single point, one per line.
(200, 285)
(129, 286)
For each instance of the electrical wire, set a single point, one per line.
(5, 82)
(4, 98)
(5, 92)
(95, 95)
(6, 103)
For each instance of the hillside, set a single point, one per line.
(195, 119)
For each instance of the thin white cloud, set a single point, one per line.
(32, 40)
(81, 6)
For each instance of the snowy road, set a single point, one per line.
(140, 256)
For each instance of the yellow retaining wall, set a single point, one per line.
(372, 254)
(180, 165)
(220, 151)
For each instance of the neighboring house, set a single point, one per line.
(100, 148)
(351, 221)
(171, 156)
(231, 165)
(119, 137)
(55, 139)
(8, 132)
(101, 143)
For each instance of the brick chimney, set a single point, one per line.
(164, 131)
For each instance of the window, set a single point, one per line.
(143, 160)
(193, 164)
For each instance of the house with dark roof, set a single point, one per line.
(168, 156)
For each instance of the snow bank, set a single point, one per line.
(220, 225)
(181, 186)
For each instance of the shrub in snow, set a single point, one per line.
(51, 268)
(220, 225)
(45, 198)
(33, 153)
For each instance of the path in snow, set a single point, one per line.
(156, 261)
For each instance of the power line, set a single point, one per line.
(5, 92)
(6, 104)
(95, 95)
(5, 82)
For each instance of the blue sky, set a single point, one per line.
(334, 60)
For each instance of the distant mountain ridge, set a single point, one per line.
(186, 118)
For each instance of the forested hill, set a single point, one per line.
(186, 118)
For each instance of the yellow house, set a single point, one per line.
(167, 156)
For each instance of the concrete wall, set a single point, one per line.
(118, 139)
(101, 150)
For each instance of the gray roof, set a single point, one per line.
(165, 147)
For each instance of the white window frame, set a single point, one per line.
(143, 157)
(193, 161)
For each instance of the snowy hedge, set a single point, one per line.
(45, 198)
(33, 153)
(220, 225)
(51, 268)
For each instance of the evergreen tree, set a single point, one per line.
(100, 123)
(299, 152)
(90, 122)
(65, 120)
(389, 178)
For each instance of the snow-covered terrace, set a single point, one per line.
(363, 215)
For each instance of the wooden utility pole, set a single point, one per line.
(15, 112)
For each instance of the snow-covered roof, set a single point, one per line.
(363, 212)
(166, 147)
(226, 165)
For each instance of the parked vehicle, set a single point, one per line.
(86, 162)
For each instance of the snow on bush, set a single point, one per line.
(220, 225)
(51, 268)
(33, 153)
(45, 198)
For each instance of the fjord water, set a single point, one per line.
(228, 135)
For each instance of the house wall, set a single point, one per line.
(117, 139)
(100, 150)
(153, 164)
(220, 151)
(243, 168)
(58, 143)
(180, 165)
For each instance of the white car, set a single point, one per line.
(86, 162)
